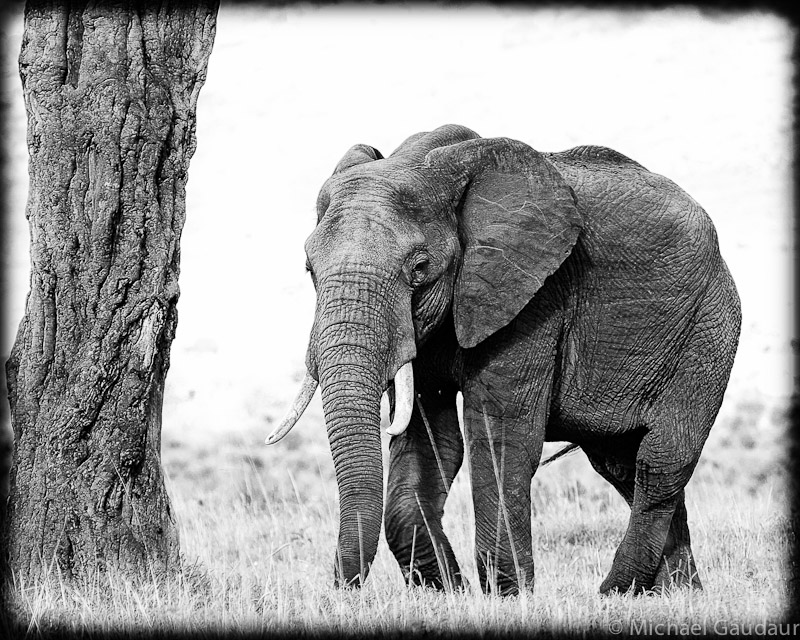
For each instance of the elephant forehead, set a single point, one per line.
(372, 231)
(393, 186)
(362, 188)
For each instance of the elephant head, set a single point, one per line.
(451, 228)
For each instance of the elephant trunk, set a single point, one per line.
(355, 350)
(351, 402)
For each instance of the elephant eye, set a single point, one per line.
(419, 271)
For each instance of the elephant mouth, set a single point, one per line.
(403, 403)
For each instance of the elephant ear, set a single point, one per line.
(518, 222)
(357, 154)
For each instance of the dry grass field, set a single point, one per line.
(702, 99)
(258, 530)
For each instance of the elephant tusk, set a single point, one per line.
(307, 389)
(403, 399)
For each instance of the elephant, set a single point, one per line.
(570, 297)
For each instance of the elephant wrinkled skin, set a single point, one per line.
(570, 296)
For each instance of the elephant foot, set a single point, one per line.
(505, 591)
(623, 587)
(434, 580)
(347, 585)
(504, 588)
(674, 572)
(506, 583)
(621, 581)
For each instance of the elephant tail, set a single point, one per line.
(568, 449)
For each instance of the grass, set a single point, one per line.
(258, 558)
(258, 528)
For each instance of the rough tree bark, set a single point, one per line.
(111, 92)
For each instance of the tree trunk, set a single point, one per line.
(111, 92)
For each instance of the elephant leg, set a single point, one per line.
(660, 475)
(423, 462)
(677, 567)
(503, 458)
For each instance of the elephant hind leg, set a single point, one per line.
(657, 537)
(677, 567)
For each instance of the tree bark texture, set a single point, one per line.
(111, 92)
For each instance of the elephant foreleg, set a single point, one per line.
(503, 458)
(423, 462)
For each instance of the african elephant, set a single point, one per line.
(571, 296)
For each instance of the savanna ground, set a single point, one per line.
(258, 536)
(702, 99)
